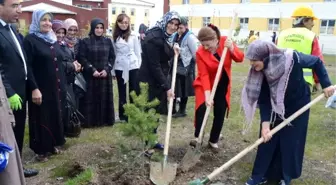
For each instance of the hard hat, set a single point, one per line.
(304, 11)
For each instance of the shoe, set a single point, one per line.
(158, 146)
(30, 172)
(256, 181)
(179, 115)
(284, 182)
(213, 145)
(149, 153)
(193, 142)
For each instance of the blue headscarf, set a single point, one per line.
(162, 23)
(34, 28)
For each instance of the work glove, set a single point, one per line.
(15, 102)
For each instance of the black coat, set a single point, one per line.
(156, 53)
(12, 66)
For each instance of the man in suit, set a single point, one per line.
(14, 70)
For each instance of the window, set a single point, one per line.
(206, 21)
(84, 6)
(146, 13)
(327, 27)
(244, 23)
(329, 0)
(185, 1)
(123, 10)
(132, 27)
(132, 12)
(207, 1)
(273, 24)
(113, 10)
(274, 1)
(245, 1)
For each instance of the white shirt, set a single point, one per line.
(128, 55)
(17, 45)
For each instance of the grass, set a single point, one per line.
(100, 146)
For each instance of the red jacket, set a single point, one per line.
(207, 66)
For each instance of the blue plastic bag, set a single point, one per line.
(4, 154)
(331, 103)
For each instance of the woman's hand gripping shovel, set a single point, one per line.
(225, 166)
(163, 173)
(194, 153)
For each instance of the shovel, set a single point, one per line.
(194, 153)
(257, 143)
(163, 173)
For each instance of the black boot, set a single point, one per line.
(182, 109)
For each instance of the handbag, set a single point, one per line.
(73, 118)
(80, 82)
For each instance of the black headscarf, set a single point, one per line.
(93, 25)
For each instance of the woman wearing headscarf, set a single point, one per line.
(96, 54)
(45, 107)
(207, 59)
(71, 37)
(185, 74)
(157, 51)
(70, 66)
(128, 60)
(275, 82)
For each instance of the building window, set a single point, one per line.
(185, 1)
(245, 1)
(113, 10)
(207, 1)
(146, 13)
(329, 0)
(244, 23)
(206, 21)
(123, 10)
(84, 6)
(132, 27)
(327, 27)
(132, 12)
(274, 1)
(273, 24)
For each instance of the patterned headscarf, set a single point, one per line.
(278, 66)
(71, 41)
(34, 28)
(162, 23)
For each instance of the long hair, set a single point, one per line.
(117, 32)
(209, 32)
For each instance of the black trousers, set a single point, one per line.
(20, 123)
(220, 106)
(133, 86)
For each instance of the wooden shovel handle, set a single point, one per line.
(170, 109)
(261, 140)
(218, 74)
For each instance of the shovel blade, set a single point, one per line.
(190, 159)
(160, 175)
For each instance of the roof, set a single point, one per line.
(94, 0)
(134, 2)
(48, 8)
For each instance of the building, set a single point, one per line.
(264, 16)
(139, 11)
(63, 9)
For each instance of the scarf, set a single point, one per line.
(57, 25)
(277, 71)
(34, 27)
(162, 24)
(71, 41)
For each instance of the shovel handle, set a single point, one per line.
(261, 140)
(218, 75)
(170, 109)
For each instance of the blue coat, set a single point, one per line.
(282, 157)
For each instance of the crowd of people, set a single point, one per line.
(53, 71)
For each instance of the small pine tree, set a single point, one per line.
(142, 118)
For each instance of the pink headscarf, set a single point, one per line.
(71, 41)
(70, 22)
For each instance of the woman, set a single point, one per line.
(157, 50)
(207, 59)
(96, 54)
(45, 107)
(128, 59)
(70, 38)
(185, 66)
(71, 66)
(276, 83)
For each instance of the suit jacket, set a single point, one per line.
(12, 67)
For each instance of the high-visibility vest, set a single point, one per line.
(300, 39)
